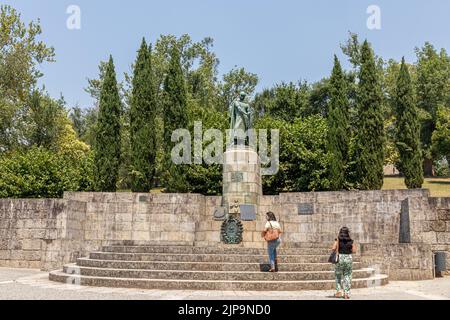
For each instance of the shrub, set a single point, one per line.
(40, 173)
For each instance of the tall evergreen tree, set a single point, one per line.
(408, 130)
(175, 117)
(369, 141)
(107, 138)
(432, 79)
(338, 127)
(142, 122)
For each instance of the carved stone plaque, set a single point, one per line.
(219, 213)
(237, 177)
(248, 212)
(305, 208)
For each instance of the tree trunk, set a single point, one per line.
(428, 169)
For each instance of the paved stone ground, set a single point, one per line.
(32, 284)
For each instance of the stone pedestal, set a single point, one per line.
(241, 177)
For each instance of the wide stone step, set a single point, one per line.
(206, 257)
(284, 244)
(177, 284)
(210, 275)
(213, 250)
(203, 266)
(301, 245)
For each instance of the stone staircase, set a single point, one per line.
(301, 267)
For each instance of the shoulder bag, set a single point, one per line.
(334, 256)
(271, 234)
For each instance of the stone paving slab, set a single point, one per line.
(19, 284)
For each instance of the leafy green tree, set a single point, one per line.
(338, 127)
(408, 130)
(84, 122)
(43, 173)
(78, 118)
(432, 83)
(441, 136)
(45, 120)
(20, 54)
(319, 97)
(175, 117)
(284, 101)
(234, 82)
(107, 144)
(369, 141)
(142, 122)
(303, 161)
(205, 178)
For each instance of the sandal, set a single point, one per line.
(346, 297)
(338, 295)
(272, 270)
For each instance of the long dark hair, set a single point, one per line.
(344, 235)
(271, 216)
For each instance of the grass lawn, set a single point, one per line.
(439, 187)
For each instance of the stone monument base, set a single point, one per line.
(242, 184)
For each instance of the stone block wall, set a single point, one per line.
(48, 233)
(439, 226)
(402, 261)
(378, 220)
(26, 226)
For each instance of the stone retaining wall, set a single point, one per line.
(26, 226)
(403, 261)
(392, 226)
(439, 226)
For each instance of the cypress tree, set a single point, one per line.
(175, 117)
(107, 138)
(408, 130)
(369, 141)
(338, 127)
(142, 122)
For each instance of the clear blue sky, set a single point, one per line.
(278, 40)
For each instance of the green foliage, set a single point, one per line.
(20, 54)
(84, 123)
(408, 130)
(318, 98)
(338, 127)
(369, 142)
(303, 157)
(40, 173)
(107, 144)
(206, 178)
(432, 83)
(234, 82)
(285, 101)
(175, 117)
(142, 123)
(441, 136)
(198, 63)
(442, 167)
(45, 120)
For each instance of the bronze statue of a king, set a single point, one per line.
(241, 115)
